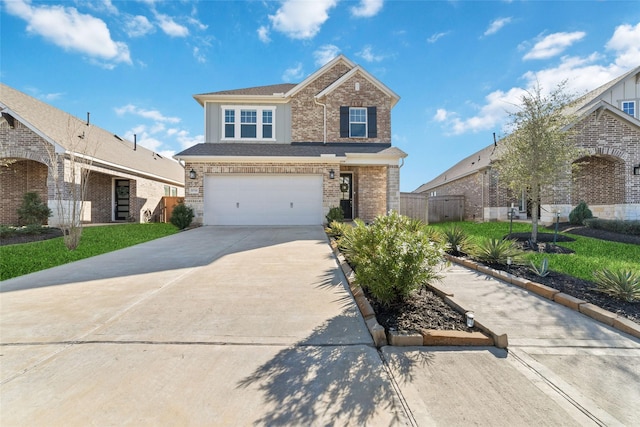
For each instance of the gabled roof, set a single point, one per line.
(113, 152)
(283, 92)
(581, 108)
(295, 149)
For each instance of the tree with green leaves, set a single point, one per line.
(539, 152)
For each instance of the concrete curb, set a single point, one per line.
(596, 313)
(426, 337)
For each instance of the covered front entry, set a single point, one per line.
(263, 200)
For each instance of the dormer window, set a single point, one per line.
(629, 107)
(255, 123)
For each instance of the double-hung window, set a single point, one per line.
(357, 122)
(250, 123)
(629, 107)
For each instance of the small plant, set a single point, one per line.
(496, 251)
(181, 216)
(543, 271)
(32, 210)
(337, 229)
(335, 214)
(456, 239)
(580, 213)
(621, 284)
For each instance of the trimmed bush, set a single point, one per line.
(580, 213)
(392, 257)
(32, 210)
(181, 216)
(335, 214)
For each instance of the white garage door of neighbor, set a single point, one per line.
(263, 200)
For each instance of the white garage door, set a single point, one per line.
(263, 200)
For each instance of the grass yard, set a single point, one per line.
(590, 254)
(17, 260)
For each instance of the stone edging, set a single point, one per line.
(601, 315)
(427, 337)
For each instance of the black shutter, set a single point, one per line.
(344, 122)
(372, 124)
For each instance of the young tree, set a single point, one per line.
(540, 150)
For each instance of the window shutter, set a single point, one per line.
(372, 131)
(344, 122)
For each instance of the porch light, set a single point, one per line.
(332, 174)
(192, 174)
(636, 170)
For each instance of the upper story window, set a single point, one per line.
(629, 107)
(256, 123)
(357, 122)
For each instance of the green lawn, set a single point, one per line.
(17, 260)
(590, 254)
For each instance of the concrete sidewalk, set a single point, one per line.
(561, 367)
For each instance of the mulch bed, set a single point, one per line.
(19, 238)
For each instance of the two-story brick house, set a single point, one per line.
(286, 154)
(37, 144)
(607, 179)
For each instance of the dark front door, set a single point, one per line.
(346, 195)
(122, 200)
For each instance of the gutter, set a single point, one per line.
(315, 99)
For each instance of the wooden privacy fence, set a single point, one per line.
(414, 205)
(432, 209)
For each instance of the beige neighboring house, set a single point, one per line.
(608, 179)
(125, 181)
(288, 153)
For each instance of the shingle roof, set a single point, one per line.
(56, 125)
(257, 90)
(299, 149)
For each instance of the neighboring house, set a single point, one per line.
(288, 153)
(125, 180)
(608, 179)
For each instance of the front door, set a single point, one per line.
(346, 195)
(122, 200)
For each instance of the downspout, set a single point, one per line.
(324, 125)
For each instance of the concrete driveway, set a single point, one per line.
(213, 326)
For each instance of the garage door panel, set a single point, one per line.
(263, 200)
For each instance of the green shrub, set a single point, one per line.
(456, 239)
(543, 271)
(181, 216)
(337, 229)
(32, 210)
(580, 213)
(335, 214)
(621, 284)
(615, 225)
(496, 251)
(392, 258)
(6, 231)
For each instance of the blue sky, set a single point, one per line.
(458, 66)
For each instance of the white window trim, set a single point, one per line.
(366, 122)
(635, 107)
(237, 123)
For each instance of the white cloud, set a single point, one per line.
(437, 36)
(496, 25)
(171, 27)
(200, 57)
(263, 34)
(626, 43)
(147, 114)
(553, 44)
(186, 140)
(441, 115)
(293, 74)
(138, 26)
(367, 8)
(71, 30)
(367, 54)
(300, 19)
(325, 53)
